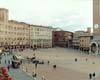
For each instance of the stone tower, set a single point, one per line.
(3, 15)
(96, 19)
(95, 43)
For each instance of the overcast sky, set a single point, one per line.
(69, 15)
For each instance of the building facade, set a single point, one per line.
(84, 41)
(3, 26)
(95, 43)
(76, 40)
(62, 38)
(20, 35)
(3, 15)
(41, 36)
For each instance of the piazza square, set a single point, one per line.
(50, 40)
(67, 68)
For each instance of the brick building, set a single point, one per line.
(62, 38)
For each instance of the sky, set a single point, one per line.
(70, 15)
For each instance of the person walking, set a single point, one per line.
(86, 59)
(43, 78)
(34, 75)
(54, 66)
(75, 59)
(8, 67)
(90, 76)
(94, 76)
(48, 62)
(35, 65)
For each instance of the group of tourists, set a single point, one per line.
(92, 76)
(34, 75)
(48, 62)
(86, 59)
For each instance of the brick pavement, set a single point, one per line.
(67, 69)
(64, 58)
